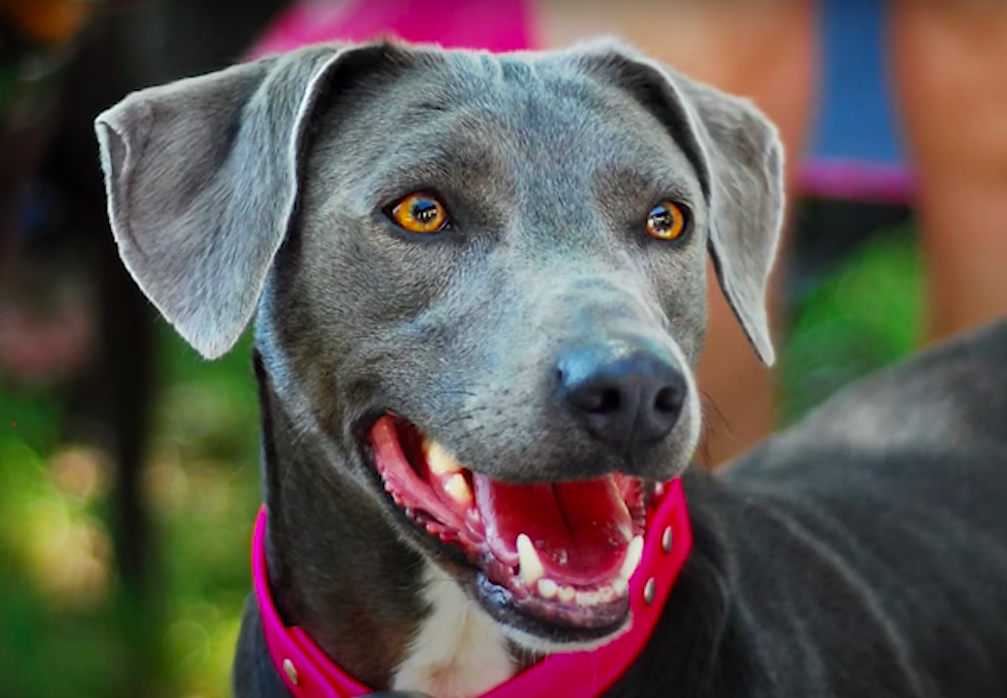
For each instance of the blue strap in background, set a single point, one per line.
(856, 119)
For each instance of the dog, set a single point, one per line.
(479, 287)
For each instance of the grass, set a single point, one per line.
(58, 593)
(868, 315)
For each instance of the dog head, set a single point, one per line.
(480, 279)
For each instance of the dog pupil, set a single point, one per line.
(661, 217)
(424, 211)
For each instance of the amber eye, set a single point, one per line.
(666, 221)
(420, 213)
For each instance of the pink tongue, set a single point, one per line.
(580, 529)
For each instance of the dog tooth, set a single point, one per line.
(587, 598)
(440, 461)
(606, 594)
(547, 588)
(620, 586)
(458, 489)
(566, 594)
(634, 553)
(531, 565)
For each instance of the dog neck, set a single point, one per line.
(337, 569)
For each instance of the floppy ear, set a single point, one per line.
(738, 158)
(202, 182)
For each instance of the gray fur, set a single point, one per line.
(739, 162)
(264, 187)
(201, 176)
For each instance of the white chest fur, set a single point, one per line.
(459, 652)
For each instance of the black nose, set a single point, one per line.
(625, 399)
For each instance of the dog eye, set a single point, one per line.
(667, 221)
(420, 213)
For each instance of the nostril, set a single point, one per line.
(605, 401)
(598, 400)
(669, 400)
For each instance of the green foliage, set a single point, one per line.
(202, 488)
(867, 316)
(41, 616)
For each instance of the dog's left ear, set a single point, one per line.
(738, 157)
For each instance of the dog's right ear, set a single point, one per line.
(202, 181)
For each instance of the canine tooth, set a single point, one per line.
(547, 588)
(606, 594)
(587, 598)
(634, 553)
(458, 489)
(566, 594)
(620, 586)
(440, 461)
(531, 565)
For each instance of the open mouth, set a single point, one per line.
(560, 554)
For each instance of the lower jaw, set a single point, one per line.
(534, 623)
(541, 627)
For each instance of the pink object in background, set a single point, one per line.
(857, 180)
(494, 25)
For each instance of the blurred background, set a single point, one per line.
(129, 466)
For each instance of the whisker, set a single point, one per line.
(714, 424)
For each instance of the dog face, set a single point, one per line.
(480, 278)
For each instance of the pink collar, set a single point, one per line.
(309, 673)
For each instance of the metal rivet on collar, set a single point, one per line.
(666, 539)
(291, 671)
(649, 591)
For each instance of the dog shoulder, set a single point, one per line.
(950, 399)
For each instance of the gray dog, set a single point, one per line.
(479, 284)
